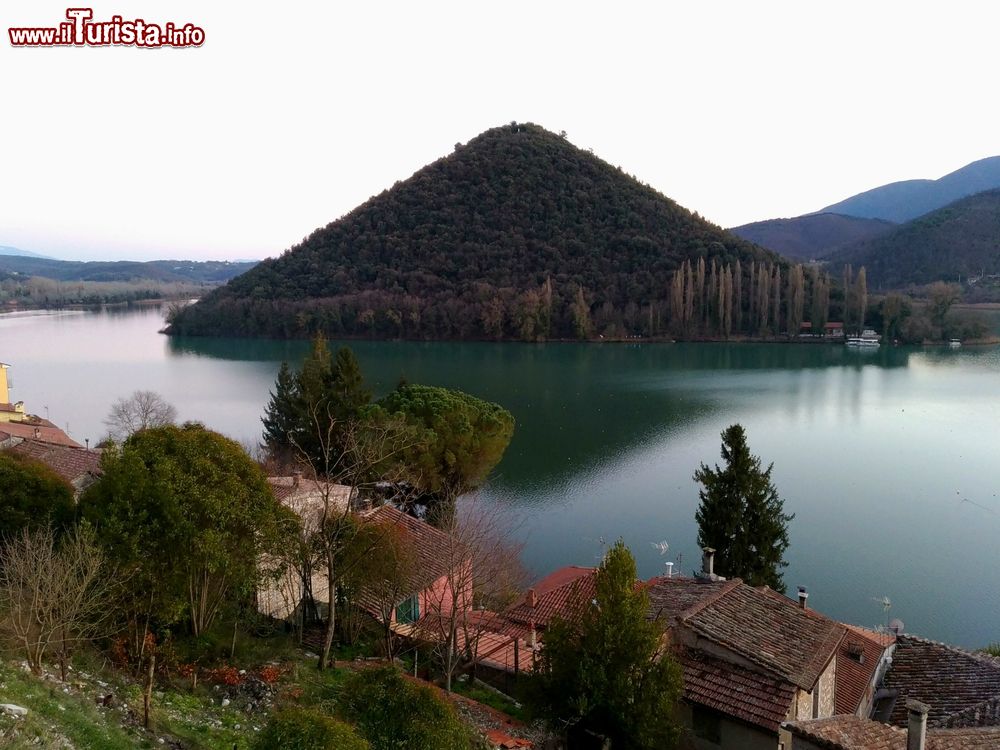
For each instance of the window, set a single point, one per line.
(816, 702)
(408, 611)
(706, 725)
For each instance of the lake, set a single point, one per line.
(888, 459)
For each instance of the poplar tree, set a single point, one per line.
(776, 288)
(741, 515)
(861, 297)
(738, 296)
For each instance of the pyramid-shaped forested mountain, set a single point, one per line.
(516, 235)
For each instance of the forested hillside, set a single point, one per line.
(516, 235)
(196, 271)
(952, 243)
(811, 236)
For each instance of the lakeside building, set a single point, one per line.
(17, 424)
(761, 671)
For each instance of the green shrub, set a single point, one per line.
(300, 729)
(394, 713)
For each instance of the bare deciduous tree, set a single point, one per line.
(484, 571)
(360, 453)
(54, 593)
(140, 411)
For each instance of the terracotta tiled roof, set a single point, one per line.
(285, 488)
(734, 690)
(556, 594)
(770, 630)
(858, 659)
(423, 540)
(848, 733)
(855, 733)
(72, 464)
(961, 688)
(881, 637)
(41, 429)
(980, 738)
(672, 597)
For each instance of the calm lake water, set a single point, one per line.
(888, 459)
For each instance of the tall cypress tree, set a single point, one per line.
(741, 515)
(310, 411)
(281, 415)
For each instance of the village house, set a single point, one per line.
(285, 592)
(16, 424)
(857, 733)
(931, 696)
(428, 581)
(752, 659)
(80, 467)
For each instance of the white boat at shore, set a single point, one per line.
(868, 339)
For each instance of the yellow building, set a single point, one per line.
(9, 412)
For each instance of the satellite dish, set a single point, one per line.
(895, 626)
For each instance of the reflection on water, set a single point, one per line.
(886, 457)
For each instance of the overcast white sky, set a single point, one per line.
(293, 113)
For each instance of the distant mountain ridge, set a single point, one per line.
(8, 250)
(951, 243)
(902, 201)
(811, 236)
(202, 272)
(517, 234)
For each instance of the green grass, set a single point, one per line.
(54, 716)
(491, 699)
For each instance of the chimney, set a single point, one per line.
(916, 728)
(296, 477)
(87, 441)
(708, 562)
(803, 597)
(532, 598)
(670, 570)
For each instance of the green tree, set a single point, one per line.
(311, 410)
(463, 437)
(281, 416)
(605, 669)
(304, 729)
(188, 514)
(32, 496)
(741, 515)
(394, 713)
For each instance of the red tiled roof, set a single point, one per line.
(556, 594)
(961, 688)
(770, 630)
(69, 463)
(969, 738)
(735, 691)
(857, 661)
(672, 597)
(855, 733)
(426, 542)
(7, 408)
(848, 733)
(42, 430)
